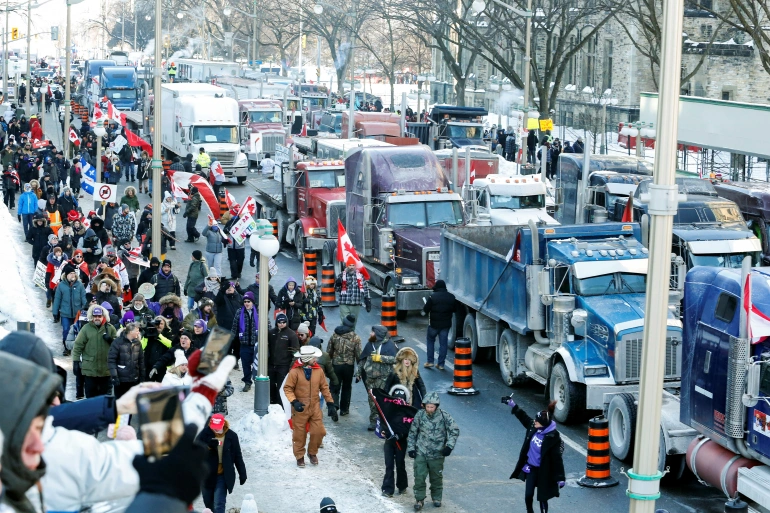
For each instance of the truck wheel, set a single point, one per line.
(390, 288)
(299, 244)
(469, 332)
(508, 356)
(282, 222)
(570, 397)
(621, 415)
(452, 336)
(241, 180)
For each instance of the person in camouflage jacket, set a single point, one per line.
(312, 310)
(374, 365)
(344, 349)
(432, 438)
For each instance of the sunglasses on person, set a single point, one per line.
(78, 256)
(247, 301)
(280, 322)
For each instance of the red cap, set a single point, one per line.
(73, 216)
(217, 422)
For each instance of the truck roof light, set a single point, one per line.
(402, 191)
(626, 228)
(589, 252)
(632, 251)
(493, 180)
(575, 253)
(603, 252)
(398, 270)
(537, 179)
(613, 252)
(549, 231)
(644, 251)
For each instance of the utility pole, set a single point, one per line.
(254, 57)
(5, 54)
(157, 163)
(28, 106)
(644, 477)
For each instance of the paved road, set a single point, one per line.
(476, 473)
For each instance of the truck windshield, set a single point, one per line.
(212, 134)
(265, 116)
(514, 202)
(732, 261)
(314, 102)
(615, 283)
(425, 213)
(327, 179)
(121, 94)
(292, 105)
(464, 131)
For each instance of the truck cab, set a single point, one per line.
(458, 127)
(88, 88)
(314, 99)
(608, 193)
(511, 200)
(753, 200)
(121, 85)
(483, 163)
(261, 127)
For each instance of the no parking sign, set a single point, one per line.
(105, 193)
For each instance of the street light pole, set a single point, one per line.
(157, 164)
(254, 35)
(67, 87)
(28, 107)
(5, 54)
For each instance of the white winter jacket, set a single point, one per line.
(172, 380)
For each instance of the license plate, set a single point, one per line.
(434, 257)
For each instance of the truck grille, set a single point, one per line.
(628, 359)
(270, 141)
(336, 211)
(226, 158)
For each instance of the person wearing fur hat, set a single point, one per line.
(406, 373)
(291, 300)
(540, 464)
(129, 198)
(117, 265)
(126, 359)
(105, 289)
(92, 345)
(312, 311)
(196, 273)
(344, 349)
(38, 235)
(282, 344)
(302, 387)
(246, 328)
(204, 312)
(68, 299)
(177, 376)
(375, 364)
(165, 281)
(224, 457)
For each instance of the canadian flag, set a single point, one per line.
(177, 191)
(473, 175)
(207, 193)
(136, 252)
(758, 322)
(232, 203)
(216, 172)
(73, 137)
(97, 116)
(112, 112)
(249, 207)
(346, 253)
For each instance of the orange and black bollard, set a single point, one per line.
(462, 384)
(598, 459)
(310, 263)
(388, 316)
(327, 286)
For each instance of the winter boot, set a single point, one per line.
(247, 387)
(437, 504)
(313, 458)
(371, 426)
(418, 505)
(301, 462)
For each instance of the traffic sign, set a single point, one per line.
(257, 62)
(546, 124)
(105, 192)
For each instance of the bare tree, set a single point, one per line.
(281, 33)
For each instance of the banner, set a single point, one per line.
(243, 228)
(39, 277)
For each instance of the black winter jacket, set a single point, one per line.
(441, 306)
(231, 458)
(227, 306)
(418, 390)
(294, 313)
(249, 335)
(38, 237)
(126, 360)
(168, 358)
(282, 344)
(551, 462)
(165, 285)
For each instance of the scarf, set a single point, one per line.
(242, 322)
(212, 286)
(291, 293)
(358, 277)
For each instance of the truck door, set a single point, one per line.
(302, 193)
(759, 417)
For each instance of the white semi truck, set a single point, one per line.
(509, 200)
(195, 116)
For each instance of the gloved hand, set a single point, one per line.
(76, 367)
(179, 474)
(126, 288)
(526, 469)
(446, 451)
(561, 484)
(153, 372)
(368, 304)
(395, 437)
(19, 217)
(412, 454)
(377, 358)
(107, 337)
(115, 381)
(511, 403)
(213, 443)
(242, 480)
(298, 406)
(321, 316)
(358, 379)
(332, 411)
(56, 318)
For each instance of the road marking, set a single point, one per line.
(449, 365)
(579, 448)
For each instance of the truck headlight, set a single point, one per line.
(242, 160)
(409, 280)
(595, 370)
(317, 231)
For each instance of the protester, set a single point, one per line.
(223, 458)
(245, 328)
(344, 349)
(311, 310)
(325, 362)
(126, 360)
(191, 212)
(165, 281)
(196, 273)
(227, 301)
(374, 365)
(406, 374)
(68, 300)
(214, 245)
(303, 333)
(282, 344)
(169, 208)
(93, 345)
(353, 292)
(441, 306)
(177, 375)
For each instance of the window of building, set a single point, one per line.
(572, 64)
(607, 65)
(589, 62)
(727, 95)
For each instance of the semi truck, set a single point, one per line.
(452, 127)
(508, 200)
(121, 85)
(725, 393)
(261, 127)
(198, 70)
(307, 199)
(560, 305)
(482, 163)
(195, 116)
(397, 200)
(753, 200)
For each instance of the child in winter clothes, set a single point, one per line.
(311, 311)
(177, 375)
(291, 301)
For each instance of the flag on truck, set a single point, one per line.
(758, 323)
(73, 137)
(88, 174)
(346, 253)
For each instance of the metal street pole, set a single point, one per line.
(135, 23)
(254, 56)
(527, 50)
(262, 381)
(318, 57)
(67, 87)
(603, 149)
(644, 477)
(28, 107)
(5, 54)
(299, 65)
(98, 159)
(157, 163)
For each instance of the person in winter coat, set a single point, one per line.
(68, 300)
(405, 373)
(353, 292)
(375, 364)
(144, 173)
(89, 355)
(220, 406)
(344, 349)
(55, 260)
(76, 174)
(204, 312)
(196, 273)
(227, 302)
(26, 208)
(511, 148)
(78, 230)
(311, 311)
(97, 225)
(254, 289)
(169, 357)
(282, 344)
(107, 212)
(291, 301)
(105, 289)
(540, 463)
(126, 359)
(123, 224)
(236, 254)
(531, 146)
(177, 375)
(38, 236)
(224, 457)
(577, 146)
(302, 387)
(54, 215)
(132, 269)
(214, 245)
(326, 364)
(91, 247)
(165, 282)
(170, 307)
(432, 438)
(169, 208)
(67, 203)
(191, 212)
(155, 343)
(441, 307)
(245, 328)
(9, 188)
(146, 275)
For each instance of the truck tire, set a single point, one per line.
(507, 355)
(469, 332)
(621, 414)
(241, 180)
(570, 397)
(299, 244)
(282, 226)
(390, 290)
(452, 336)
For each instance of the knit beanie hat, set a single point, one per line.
(303, 328)
(349, 321)
(197, 255)
(281, 318)
(179, 358)
(328, 506)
